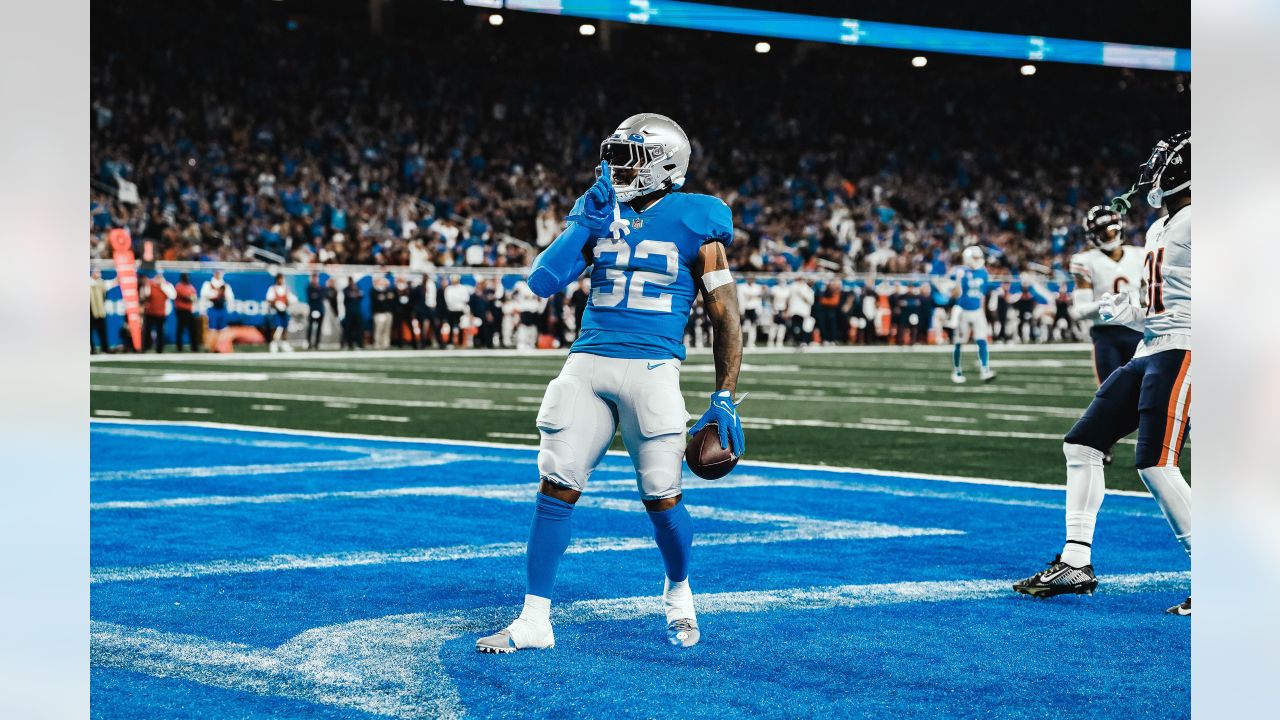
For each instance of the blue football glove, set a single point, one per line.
(598, 203)
(724, 413)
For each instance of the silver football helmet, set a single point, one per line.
(974, 257)
(648, 152)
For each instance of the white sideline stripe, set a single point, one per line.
(113, 413)
(379, 418)
(1010, 418)
(805, 531)
(472, 405)
(547, 354)
(378, 460)
(524, 492)
(268, 408)
(391, 665)
(514, 436)
(892, 474)
(951, 419)
(194, 410)
(328, 400)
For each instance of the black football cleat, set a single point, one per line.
(1059, 579)
(1182, 608)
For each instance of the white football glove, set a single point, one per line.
(1118, 309)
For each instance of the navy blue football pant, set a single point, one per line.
(1150, 394)
(1113, 346)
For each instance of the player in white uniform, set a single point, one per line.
(779, 296)
(1109, 267)
(799, 311)
(1150, 394)
(279, 299)
(751, 300)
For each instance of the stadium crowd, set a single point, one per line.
(428, 151)
(418, 311)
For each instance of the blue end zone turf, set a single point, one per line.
(244, 573)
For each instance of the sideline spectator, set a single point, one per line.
(98, 311)
(184, 304)
(383, 305)
(317, 298)
(217, 299)
(352, 316)
(157, 299)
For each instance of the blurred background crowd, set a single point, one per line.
(312, 138)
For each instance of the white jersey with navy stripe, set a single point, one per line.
(1109, 276)
(1166, 285)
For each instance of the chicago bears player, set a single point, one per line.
(969, 291)
(651, 249)
(1151, 393)
(1109, 267)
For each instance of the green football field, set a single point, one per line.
(889, 409)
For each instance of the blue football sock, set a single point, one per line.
(547, 542)
(955, 357)
(983, 356)
(673, 529)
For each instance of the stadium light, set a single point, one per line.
(587, 29)
(919, 61)
(495, 20)
(1028, 70)
(763, 47)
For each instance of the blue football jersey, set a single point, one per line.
(973, 286)
(642, 284)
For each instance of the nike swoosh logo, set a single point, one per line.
(1053, 575)
(655, 365)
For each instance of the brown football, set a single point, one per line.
(705, 457)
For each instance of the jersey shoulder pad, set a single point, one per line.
(1081, 262)
(707, 217)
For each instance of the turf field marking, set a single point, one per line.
(193, 410)
(378, 460)
(333, 401)
(891, 474)
(1011, 418)
(513, 436)
(801, 529)
(914, 402)
(951, 419)
(379, 418)
(268, 408)
(113, 413)
(391, 665)
(927, 430)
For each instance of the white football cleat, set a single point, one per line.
(683, 632)
(682, 621)
(957, 377)
(988, 375)
(523, 634)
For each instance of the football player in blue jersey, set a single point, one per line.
(971, 283)
(651, 249)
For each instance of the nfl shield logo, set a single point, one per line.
(637, 223)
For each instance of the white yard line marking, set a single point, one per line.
(391, 665)
(113, 413)
(951, 419)
(268, 408)
(804, 529)
(193, 410)
(890, 474)
(1010, 418)
(999, 350)
(378, 460)
(514, 436)
(333, 401)
(379, 418)
(886, 421)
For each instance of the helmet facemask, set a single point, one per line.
(1165, 168)
(647, 153)
(1104, 228)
